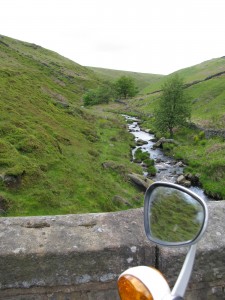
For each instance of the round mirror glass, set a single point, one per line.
(174, 216)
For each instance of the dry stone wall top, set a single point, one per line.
(81, 256)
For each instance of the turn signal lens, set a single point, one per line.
(131, 288)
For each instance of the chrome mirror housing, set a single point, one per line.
(173, 215)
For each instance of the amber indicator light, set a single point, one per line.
(131, 288)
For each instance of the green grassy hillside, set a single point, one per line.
(192, 74)
(58, 157)
(52, 150)
(205, 86)
(142, 80)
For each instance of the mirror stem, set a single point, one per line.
(185, 273)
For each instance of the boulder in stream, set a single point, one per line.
(188, 180)
(179, 164)
(141, 142)
(140, 180)
(148, 131)
(183, 181)
(160, 142)
(194, 178)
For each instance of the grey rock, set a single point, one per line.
(141, 142)
(140, 180)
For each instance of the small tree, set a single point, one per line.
(125, 87)
(174, 108)
(102, 94)
(90, 97)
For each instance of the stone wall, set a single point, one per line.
(81, 256)
(209, 133)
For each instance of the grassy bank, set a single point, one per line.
(55, 155)
(203, 157)
(205, 90)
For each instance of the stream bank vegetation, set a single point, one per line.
(205, 157)
(147, 163)
(202, 156)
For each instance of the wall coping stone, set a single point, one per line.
(81, 256)
(70, 250)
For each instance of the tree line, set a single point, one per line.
(173, 108)
(123, 87)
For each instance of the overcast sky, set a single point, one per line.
(159, 36)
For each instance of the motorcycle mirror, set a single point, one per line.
(173, 215)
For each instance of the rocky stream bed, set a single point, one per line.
(167, 168)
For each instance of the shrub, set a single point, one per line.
(151, 170)
(201, 135)
(140, 155)
(168, 146)
(102, 94)
(196, 139)
(149, 162)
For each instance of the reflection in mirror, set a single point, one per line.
(174, 216)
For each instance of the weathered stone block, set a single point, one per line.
(81, 254)
(79, 257)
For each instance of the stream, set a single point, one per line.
(167, 168)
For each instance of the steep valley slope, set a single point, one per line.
(52, 150)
